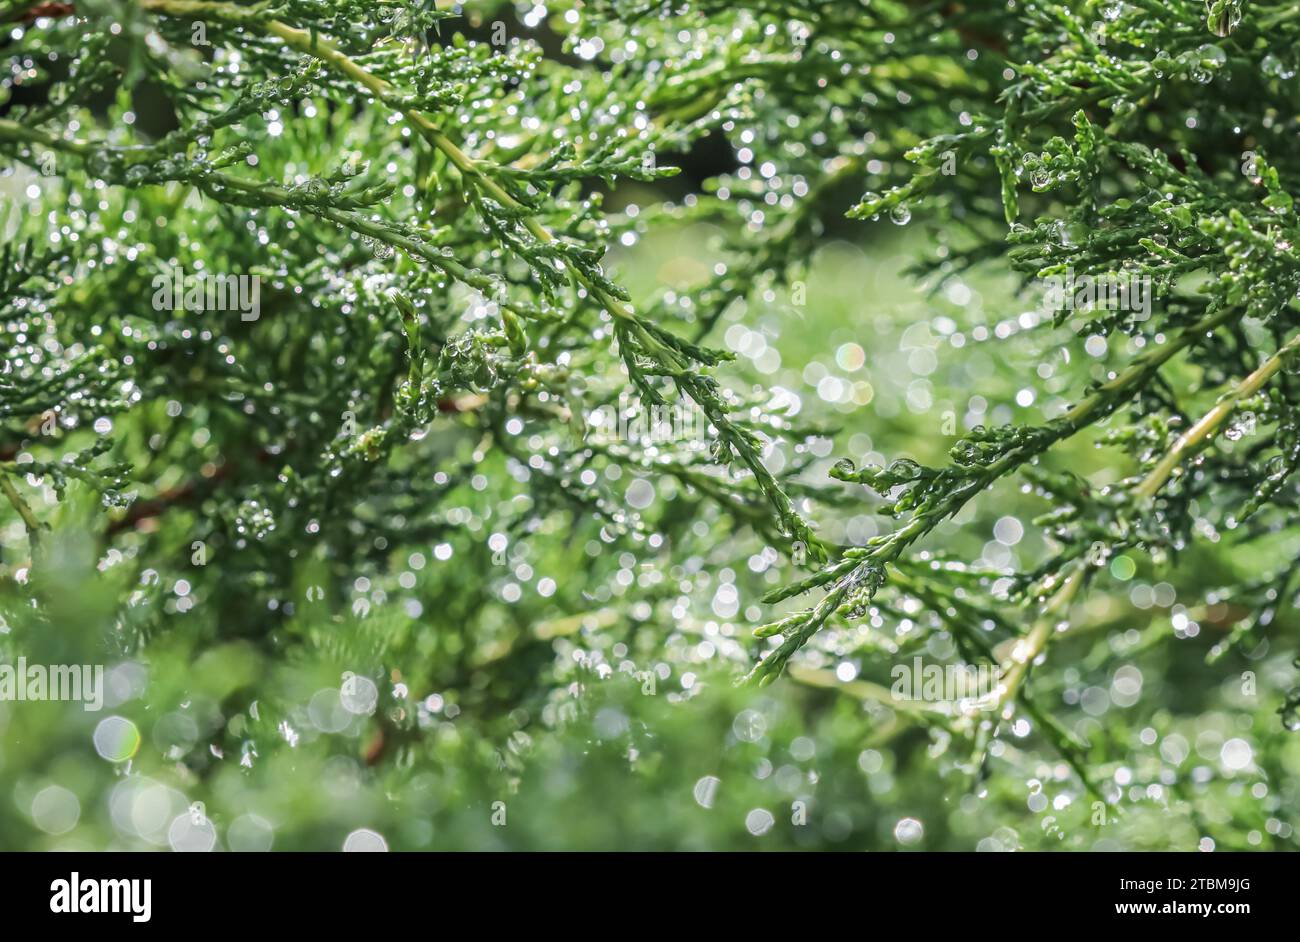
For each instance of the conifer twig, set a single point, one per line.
(1103, 401)
(1052, 618)
(29, 518)
(673, 361)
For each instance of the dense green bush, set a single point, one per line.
(431, 463)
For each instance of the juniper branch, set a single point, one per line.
(868, 565)
(673, 357)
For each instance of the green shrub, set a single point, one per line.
(425, 455)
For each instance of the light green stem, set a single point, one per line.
(25, 511)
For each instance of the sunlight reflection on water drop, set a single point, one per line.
(706, 790)
(364, 840)
(759, 821)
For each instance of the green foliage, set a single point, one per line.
(400, 463)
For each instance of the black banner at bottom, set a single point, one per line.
(385, 892)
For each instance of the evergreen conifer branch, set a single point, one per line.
(672, 357)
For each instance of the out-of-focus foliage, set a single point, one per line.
(379, 566)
